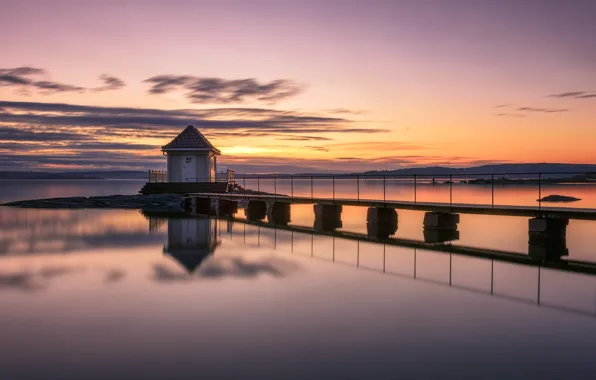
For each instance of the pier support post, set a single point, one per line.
(547, 238)
(255, 210)
(327, 217)
(201, 205)
(278, 213)
(226, 207)
(440, 227)
(381, 222)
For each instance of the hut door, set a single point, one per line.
(189, 169)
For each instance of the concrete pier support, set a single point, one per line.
(226, 207)
(327, 217)
(547, 238)
(278, 213)
(201, 205)
(440, 227)
(381, 222)
(256, 210)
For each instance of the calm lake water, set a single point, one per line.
(121, 293)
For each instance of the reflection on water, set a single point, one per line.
(391, 258)
(108, 292)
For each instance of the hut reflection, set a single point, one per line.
(191, 241)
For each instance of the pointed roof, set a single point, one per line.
(190, 261)
(190, 139)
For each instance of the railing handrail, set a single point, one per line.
(412, 175)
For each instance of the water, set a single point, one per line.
(108, 293)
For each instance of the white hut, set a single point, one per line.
(191, 157)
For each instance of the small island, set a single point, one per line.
(558, 198)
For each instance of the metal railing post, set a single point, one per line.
(244, 185)
(275, 187)
(415, 180)
(358, 187)
(311, 188)
(451, 190)
(539, 191)
(258, 184)
(333, 185)
(292, 185)
(492, 185)
(384, 188)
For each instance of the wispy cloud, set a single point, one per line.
(346, 111)
(29, 280)
(317, 147)
(109, 83)
(218, 90)
(37, 135)
(575, 95)
(220, 267)
(506, 114)
(513, 111)
(27, 79)
(543, 110)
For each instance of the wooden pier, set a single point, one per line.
(459, 208)
(547, 226)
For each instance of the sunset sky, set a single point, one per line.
(295, 86)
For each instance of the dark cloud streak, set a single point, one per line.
(110, 83)
(575, 95)
(223, 91)
(543, 110)
(21, 77)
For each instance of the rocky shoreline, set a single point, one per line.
(162, 202)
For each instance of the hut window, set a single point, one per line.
(188, 160)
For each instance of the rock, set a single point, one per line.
(558, 198)
(169, 202)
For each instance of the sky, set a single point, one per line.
(297, 86)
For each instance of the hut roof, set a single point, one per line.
(190, 139)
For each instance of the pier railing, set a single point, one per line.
(227, 176)
(158, 176)
(491, 189)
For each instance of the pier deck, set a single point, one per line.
(460, 208)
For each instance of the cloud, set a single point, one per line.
(222, 91)
(304, 138)
(29, 281)
(18, 134)
(505, 114)
(544, 110)
(47, 87)
(18, 75)
(69, 136)
(114, 275)
(525, 109)
(346, 111)
(315, 147)
(21, 76)
(110, 83)
(220, 267)
(575, 95)
(24, 78)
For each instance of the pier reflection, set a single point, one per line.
(192, 240)
(481, 271)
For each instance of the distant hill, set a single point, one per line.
(545, 168)
(490, 169)
(118, 174)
